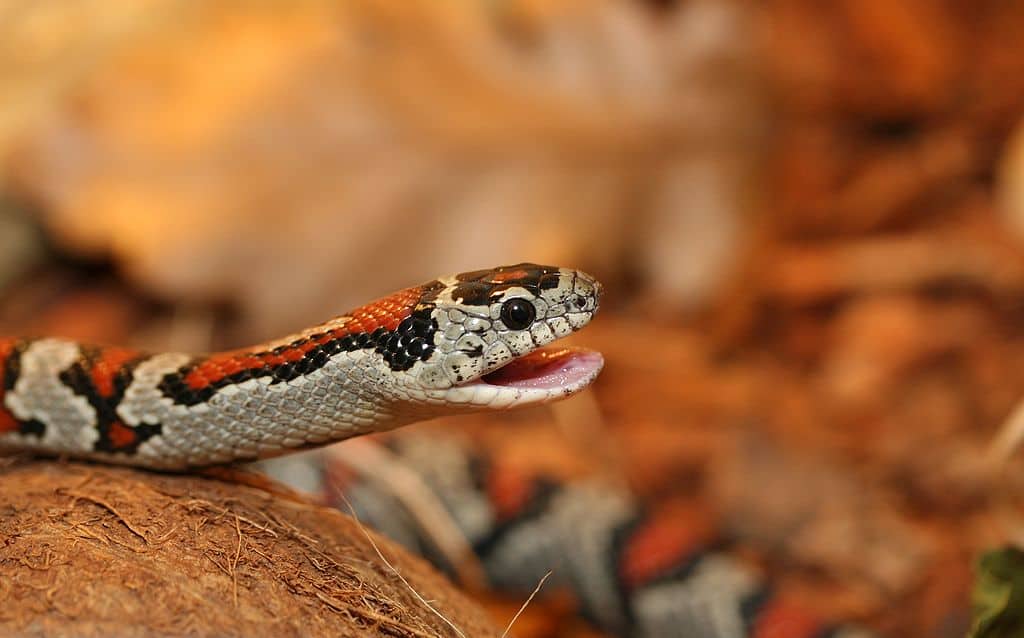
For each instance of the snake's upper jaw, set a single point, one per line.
(546, 374)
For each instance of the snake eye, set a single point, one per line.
(518, 314)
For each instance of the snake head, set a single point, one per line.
(492, 327)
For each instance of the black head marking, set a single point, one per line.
(480, 287)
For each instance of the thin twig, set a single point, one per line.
(395, 571)
(375, 462)
(528, 601)
(224, 512)
(234, 563)
(1009, 437)
(111, 509)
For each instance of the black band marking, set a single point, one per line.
(411, 341)
(12, 370)
(78, 377)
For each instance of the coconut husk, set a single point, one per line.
(88, 550)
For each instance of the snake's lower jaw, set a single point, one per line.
(544, 375)
(549, 369)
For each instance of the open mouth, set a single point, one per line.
(565, 369)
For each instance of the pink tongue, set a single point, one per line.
(546, 369)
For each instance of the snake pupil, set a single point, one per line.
(518, 314)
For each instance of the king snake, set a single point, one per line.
(468, 342)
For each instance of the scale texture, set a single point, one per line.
(416, 354)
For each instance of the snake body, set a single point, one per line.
(662, 569)
(468, 342)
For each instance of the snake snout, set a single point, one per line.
(586, 292)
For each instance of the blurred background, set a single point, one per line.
(809, 219)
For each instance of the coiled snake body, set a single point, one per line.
(468, 342)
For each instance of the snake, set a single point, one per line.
(469, 342)
(662, 568)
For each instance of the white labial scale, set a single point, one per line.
(460, 367)
(497, 353)
(461, 394)
(519, 342)
(483, 394)
(560, 326)
(507, 397)
(39, 394)
(433, 397)
(541, 333)
(577, 319)
(529, 398)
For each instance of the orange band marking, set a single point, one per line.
(384, 313)
(7, 421)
